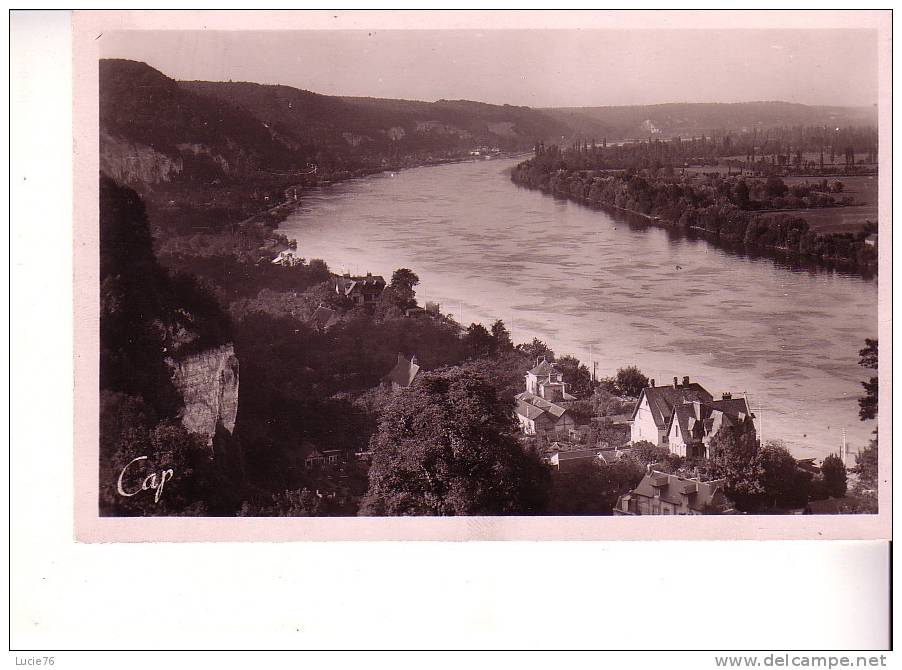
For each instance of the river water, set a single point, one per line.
(595, 285)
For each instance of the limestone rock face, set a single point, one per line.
(131, 163)
(208, 382)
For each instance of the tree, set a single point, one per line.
(502, 336)
(576, 376)
(446, 447)
(867, 404)
(866, 466)
(784, 484)
(298, 502)
(154, 471)
(733, 457)
(646, 453)
(479, 340)
(402, 282)
(388, 306)
(593, 488)
(741, 194)
(775, 187)
(631, 381)
(536, 349)
(834, 471)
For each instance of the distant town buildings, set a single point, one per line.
(541, 409)
(660, 493)
(685, 416)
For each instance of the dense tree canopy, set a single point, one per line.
(834, 471)
(403, 281)
(445, 447)
(576, 376)
(630, 381)
(536, 349)
(593, 488)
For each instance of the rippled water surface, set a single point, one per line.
(579, 278)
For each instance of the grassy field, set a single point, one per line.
(808, 156)
(850, 219)
(863, 190)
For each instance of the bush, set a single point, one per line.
(834, 472)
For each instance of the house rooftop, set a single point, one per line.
(673, 489)
(662, 399)
(346, 283)
(698, 419)
(544, 368)
(540, 403)
(404, 371)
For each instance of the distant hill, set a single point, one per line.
(155, 129)
(152, 129)
(688, 119)
(370, 126)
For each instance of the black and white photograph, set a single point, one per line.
(496, 273)
(451, 329)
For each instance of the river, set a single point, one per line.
(594, 284)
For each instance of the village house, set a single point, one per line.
(651, 417)
(403, 374)
(685, 416)
(287, 258)
(660, 493)
(542, 408)
(694, 423)
(359, 290)
(319, 459)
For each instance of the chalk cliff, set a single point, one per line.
(208, 383)
(135, 163)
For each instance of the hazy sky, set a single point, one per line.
(540, 68)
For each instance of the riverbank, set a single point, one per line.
(579, 279)
(689, 205)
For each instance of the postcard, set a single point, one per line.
(482, 275)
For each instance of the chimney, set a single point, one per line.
(651, 383)
(369, 274)
(676, 383)
(413, 359)
(686, 381)
(540, 360)
(727, 396)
